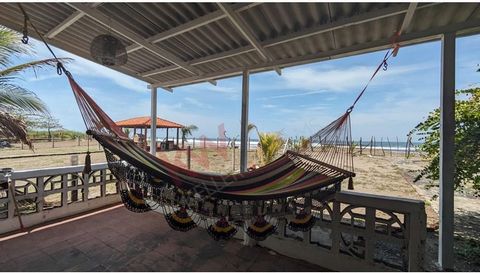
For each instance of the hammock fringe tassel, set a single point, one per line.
(302, 222)
(180, 220)
(133, 202)
(222, 230)
(88, 164)
(260, 229)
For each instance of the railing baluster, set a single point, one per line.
(335, 231)
(370, 239)
(103, 184)
(308, 209)
(11, 205)
(64, 190)
(40, 193)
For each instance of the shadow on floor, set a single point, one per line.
(119, 240)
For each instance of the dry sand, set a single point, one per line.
(382, 175)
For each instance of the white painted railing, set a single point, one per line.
(354, 231)
(359, 232)
(48, 194)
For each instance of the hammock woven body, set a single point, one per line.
(190, 198)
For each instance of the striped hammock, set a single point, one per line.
(284, 190)
(254, 201)
(327, 161)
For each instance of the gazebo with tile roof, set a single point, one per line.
(146, 122)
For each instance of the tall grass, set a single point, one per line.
(57, 134)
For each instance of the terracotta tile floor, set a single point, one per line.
(118, 240)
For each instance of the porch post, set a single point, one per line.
(244, 122)
(153, 118)
(447, 152)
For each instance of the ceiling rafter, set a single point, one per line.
(408, 17)
(407, 39)
(190, 25)
(354, 20)
(131, 35)
(70, 20)
(247, 34)
(64, 24)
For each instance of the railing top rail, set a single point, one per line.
(397, 204)
(53, 171)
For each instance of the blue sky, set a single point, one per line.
(301, 101)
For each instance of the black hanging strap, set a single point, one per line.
(60, 68)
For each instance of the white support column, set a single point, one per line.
(244, 122)
(153, 116)
(447, 152)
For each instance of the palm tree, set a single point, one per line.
(270, 145)
(15, 101)
(187, 131)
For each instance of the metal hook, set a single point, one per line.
(385, 65)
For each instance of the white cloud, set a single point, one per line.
(296, 94)
(341, 80)
(83, 67)
(269, 106)
(197, 103)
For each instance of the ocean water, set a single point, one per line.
(212, 143)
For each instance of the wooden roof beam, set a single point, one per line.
(70, 20)
(131, 35)
(190, 25)
(246, 32)
(462, 28)
(354, 20)
(408, 17)
(64, 24)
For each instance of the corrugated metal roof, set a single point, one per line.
(173, 44)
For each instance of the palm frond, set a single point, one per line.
(12, 71)
(16, 98)
(12, 127)
(10, 44)
(270, 145)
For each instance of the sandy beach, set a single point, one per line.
(390, 175)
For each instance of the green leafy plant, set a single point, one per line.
(187, 131)
(270, 145)
(467, 141)
(16, 101)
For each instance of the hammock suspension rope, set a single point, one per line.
(253, 201)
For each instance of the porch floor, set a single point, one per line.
(115, 239)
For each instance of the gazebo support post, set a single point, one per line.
(447, 152)
(178, 135)
(153, 126)
(244, 122)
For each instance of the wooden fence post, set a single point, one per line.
(233, 155)
(381, 146)
(189, 156)
(360, 146)
(193, 143)
(217, 142)
(389, 146)
(371, 145)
